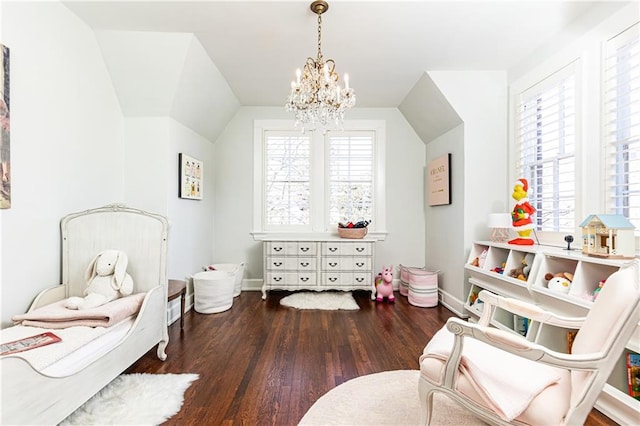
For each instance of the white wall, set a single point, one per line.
(233, 161)
(72, 150)
(445, 223)
(191, 233)
(66, 142)
(480, 99)
(151, 174)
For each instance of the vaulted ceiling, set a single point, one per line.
(203, 59)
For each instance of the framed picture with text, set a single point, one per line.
(191, 177)
(439, 181)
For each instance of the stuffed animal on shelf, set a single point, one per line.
(107, 280)
(384, 285)
(522, 271)
(560, 282)
(521, 214)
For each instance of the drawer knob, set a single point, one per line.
(277, 263)
(333, 279)
(360, 249)
(304, 264)
(277, 249)
(304, 249)
(333, 249)
(359, 264)
(277, 279)
(304, 279)
(333, 264)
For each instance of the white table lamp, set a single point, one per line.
(500, 223)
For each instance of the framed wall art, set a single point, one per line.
(439, 181)
(191, 177)
(5, 164)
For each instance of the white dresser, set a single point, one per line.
(322, 264)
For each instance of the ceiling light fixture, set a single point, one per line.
(316, 97)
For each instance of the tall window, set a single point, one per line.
(351, 170)
(622, 124)
(546, 140)
(287, 178)
(309, 182)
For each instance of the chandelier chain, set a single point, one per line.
(319, 37)
(316, 97)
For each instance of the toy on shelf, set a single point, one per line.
(473, 297)
(522, 271)
(596, 292)
(560, 282)
(384, 284)
(608, 235)
(499, 269)
(479, 260)
(521, 214)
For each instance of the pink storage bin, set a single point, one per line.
(423, 288)
(404, 278)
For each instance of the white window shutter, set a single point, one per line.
(351, 176)
(287, 179)
(545, 142)
(622, 124)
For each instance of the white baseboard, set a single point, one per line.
(453, 304)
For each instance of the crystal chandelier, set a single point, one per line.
(316, 97)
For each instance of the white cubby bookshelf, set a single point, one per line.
(587, 273)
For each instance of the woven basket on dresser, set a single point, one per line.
(353, 233)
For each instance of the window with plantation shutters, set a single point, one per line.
(309, 182)
(622, 124)
(287, 178)
(350, 177)
(545, 143)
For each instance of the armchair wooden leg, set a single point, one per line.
(426, 402)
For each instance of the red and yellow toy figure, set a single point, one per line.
(521, 214)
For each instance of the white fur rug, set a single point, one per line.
(134, 399)
(387, 398)
(325, 300)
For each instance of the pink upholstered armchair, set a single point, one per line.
(506, 379)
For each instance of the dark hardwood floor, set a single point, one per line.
(263, 364)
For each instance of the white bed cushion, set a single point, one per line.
(78, 348)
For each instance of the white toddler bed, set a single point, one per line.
(37, 391)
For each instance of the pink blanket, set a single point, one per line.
(491, 372)
(56, 315)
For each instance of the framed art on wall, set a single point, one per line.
(439, 181)
(5, 164)
(191, 177)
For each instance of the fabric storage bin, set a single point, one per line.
(237, 269)
(403, 286)
(423, 288)
(213, 291)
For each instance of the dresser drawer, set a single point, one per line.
(291, 263)
(291, 248)
(346, 264)
(293, 279)
(341, 248)
(346, 279)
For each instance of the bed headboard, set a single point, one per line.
(141, 235)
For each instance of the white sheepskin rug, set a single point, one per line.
(387, 398)
(326, 300)
(134, 399)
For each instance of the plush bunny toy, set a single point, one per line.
(107, 280)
